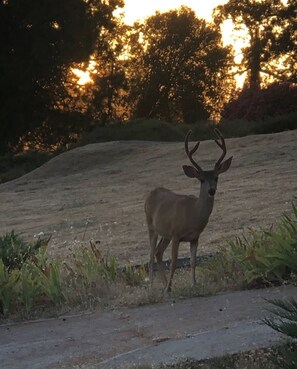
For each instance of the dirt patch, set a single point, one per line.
(97, 191)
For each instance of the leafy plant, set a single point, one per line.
(267, 255)
(14, 251)
(284, 320)
(92, 264)
(8, 281)
(28, 287)
(35, 281)
(134, 276)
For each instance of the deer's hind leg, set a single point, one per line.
(162, 245)
(175, 245)
(153, 236)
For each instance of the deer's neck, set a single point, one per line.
(205, 203)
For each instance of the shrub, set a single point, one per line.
(266, 256)
(148, 130)
(36, 282)
(254, 104)
(14, 251)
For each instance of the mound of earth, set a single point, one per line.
(98, 191)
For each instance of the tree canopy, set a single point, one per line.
(271, 27)
(171, 66)
(39, 41)
(179, 69)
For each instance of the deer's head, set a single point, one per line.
(208, 178)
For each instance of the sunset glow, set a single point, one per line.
(135, 10)
(84, 76)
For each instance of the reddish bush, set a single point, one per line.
(251, 104)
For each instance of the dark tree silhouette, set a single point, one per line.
(179, 69)
(39, 41)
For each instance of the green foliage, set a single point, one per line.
(133, 276)
(8, 281)
(284, 320)
(267, 255)
(285, 317)
(14, 251)
(28, 287)
(30, 283)
(91, 265)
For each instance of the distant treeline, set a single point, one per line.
(172, 66)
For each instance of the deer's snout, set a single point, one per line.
(211, 191)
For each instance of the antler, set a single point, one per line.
(222, 145)
(191, 152)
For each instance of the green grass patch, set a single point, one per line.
(265, 256)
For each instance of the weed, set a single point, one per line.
(133, 276)
(14, 250)
(8, 281)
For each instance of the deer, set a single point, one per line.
(182, 218)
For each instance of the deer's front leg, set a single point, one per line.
(193, 246)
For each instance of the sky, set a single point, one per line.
(135, 9)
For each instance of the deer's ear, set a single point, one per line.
(224, 166)
(190, 171)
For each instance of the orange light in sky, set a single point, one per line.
(84, 76)
(135, 10)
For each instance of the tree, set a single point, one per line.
(178, 70)
(109, 88)
(39, 42)
(271, 27)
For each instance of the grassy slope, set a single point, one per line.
(13, 166)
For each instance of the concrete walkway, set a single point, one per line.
(197, 328)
